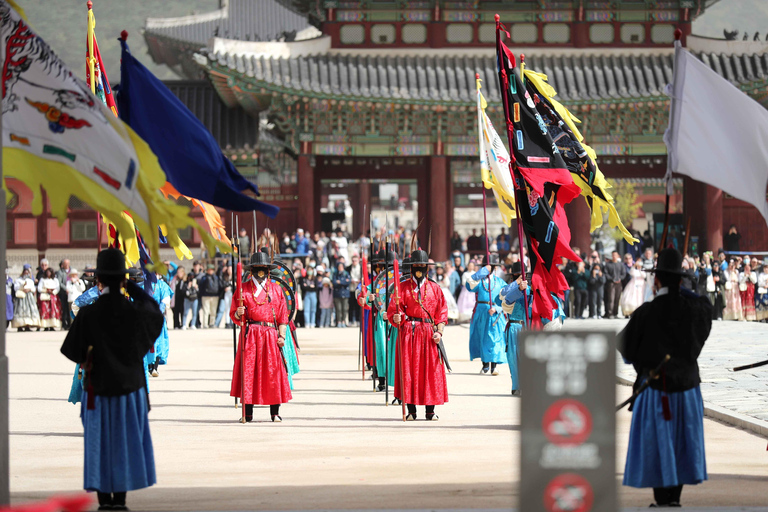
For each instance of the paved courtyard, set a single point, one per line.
(339, 447)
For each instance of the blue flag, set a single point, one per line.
(187, 152)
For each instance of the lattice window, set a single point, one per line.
(601, 33)
(388, 123)
(524, 33)
(662, 33)
(557, 33)
(352, 34)
(84, 230)
(632, 33)
(459, 33)
(486, 33)
(383, 34)
(414, 33)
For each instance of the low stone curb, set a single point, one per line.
(724, 415)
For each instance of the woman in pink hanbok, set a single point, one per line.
(633, 295)
(733, 309)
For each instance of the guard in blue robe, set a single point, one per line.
(666, 437)
(486, 331)
(162, 294)
(109, 339)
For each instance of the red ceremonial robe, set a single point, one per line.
(424, 375)
(266, 379)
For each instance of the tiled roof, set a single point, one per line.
(586, 77)
(244, 20)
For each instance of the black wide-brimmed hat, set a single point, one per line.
(515, 271)
(492, 261)
(110, 262)
(259, 259)
(406, 267)
(379, 258)
(419, 257)
(670, 261)
(136, 275)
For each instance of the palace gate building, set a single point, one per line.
(311, 98)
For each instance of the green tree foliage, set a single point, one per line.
(625, 199)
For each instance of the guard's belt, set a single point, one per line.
(486, 303)
(263, 324)
(421, 320)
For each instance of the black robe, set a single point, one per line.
(121, 332)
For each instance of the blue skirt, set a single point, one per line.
(486, 335)
(666, 453)
(161, 349)
(118, 446)
(511, 335)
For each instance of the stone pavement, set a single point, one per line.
(339, 447)
(737, 398)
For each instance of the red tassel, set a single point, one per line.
(665, 399)
(91, 398)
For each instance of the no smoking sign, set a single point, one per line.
(568, 493)
(567, 422)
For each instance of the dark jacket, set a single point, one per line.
(580, 280)
(614, 271)
(677, 324)
(595, 282)
(341, 285)
(211, 286)
(121, 332)
(310, 284)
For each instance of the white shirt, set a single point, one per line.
(74, 289)
(46, 284)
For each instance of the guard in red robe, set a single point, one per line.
(266, 321)
(421, 316)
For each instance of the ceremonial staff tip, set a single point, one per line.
(477, 76)
(124, 35)
(496, 17)
(522, 57)
(90, 5)
(678, 34)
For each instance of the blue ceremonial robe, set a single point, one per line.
(160, 292)
(486, 332)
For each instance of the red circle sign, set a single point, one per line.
(567, 422)
(568, 493)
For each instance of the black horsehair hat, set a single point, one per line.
(110, 263)
(378, 258)
(419, 257)
(670, 261)
(260, 259)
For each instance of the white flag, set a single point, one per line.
(717, 134)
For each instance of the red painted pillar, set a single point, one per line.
(695, 209)
(306, 181)
(363, 205)
(579, 220)
(438, 206)
(714, 218)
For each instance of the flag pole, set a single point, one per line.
(504, 85)
(668, 189)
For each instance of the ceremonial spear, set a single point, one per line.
(242, 333)
(235, 243)
(398, 344)
(363, 289)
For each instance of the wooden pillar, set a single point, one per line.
(438, 206)
(714, 218)
(695, 209)
(42, 228)
(579, 220)
(306, 181)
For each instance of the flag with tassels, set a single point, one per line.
(494, 161)
(579, 158)
(543, 186)
(95, 73)
(58, 136)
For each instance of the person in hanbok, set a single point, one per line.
(733, 309)
(158, 355)
(761, 293)
(421, 313)
(747, 280)
(634, 292)
(25, 312)
(467, 299)
(445, 284)
(666, 437)
(486, 332)
(109, 339)
(384, 353)
(48, 301)
(260, 375)
(8, 298)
